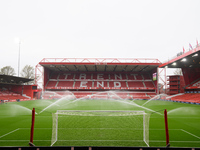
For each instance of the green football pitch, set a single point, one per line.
(183, 122)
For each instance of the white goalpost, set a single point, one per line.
(100, 128)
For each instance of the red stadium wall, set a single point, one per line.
(16, 88)
(14, 92)
(28, 90)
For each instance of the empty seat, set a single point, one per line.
(65, 84)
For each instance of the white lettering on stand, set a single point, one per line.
(83, 84)
(100, 76)
(117, 84)
(82, 76)
(66, 75)
(100, 84)
(118, 76)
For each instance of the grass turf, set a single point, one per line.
(15, 123)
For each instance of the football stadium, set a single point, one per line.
(99, 103)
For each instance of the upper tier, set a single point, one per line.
(100, 81)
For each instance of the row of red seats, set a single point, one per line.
(5, 94)
(188, 97)
(11, 97)
(194, 85)
(99, 95)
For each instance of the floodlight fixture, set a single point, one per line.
(195, 55)
(174, 64)
(17, 40)
(184, 59)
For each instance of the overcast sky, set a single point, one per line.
(96, 29)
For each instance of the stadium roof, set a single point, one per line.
(100, 64)
(190, 58)
(6, 79)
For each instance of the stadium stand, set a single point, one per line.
(187, 97)
(92, 77)
(64, 84)
(194, 84)
(5, 94)
(14, 88)
(186, 86)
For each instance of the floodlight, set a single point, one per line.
(184, 59)
(17, 40)
(174, 64)
(195, 55)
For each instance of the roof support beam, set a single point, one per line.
(76, 68)
(95, 67)
(144, 68)
(134, 68)
(67, 68)
(125, 68)
(115, 67)
(86, 68)
(58, 68)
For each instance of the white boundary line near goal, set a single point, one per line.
(9, 132)
(22, 140)
(104, 140)
(190, 133)
(36, 128)
(98, 128)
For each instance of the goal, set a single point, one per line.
(100, 128)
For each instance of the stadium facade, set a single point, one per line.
(131, 78)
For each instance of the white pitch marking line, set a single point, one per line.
(98, 128)
(190, 133)
(35, 128)
(105, 140)
(9, 133)
(20, 140)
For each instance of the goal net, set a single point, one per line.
(100, 128)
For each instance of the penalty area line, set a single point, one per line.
(190, 133)
(9, 132)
